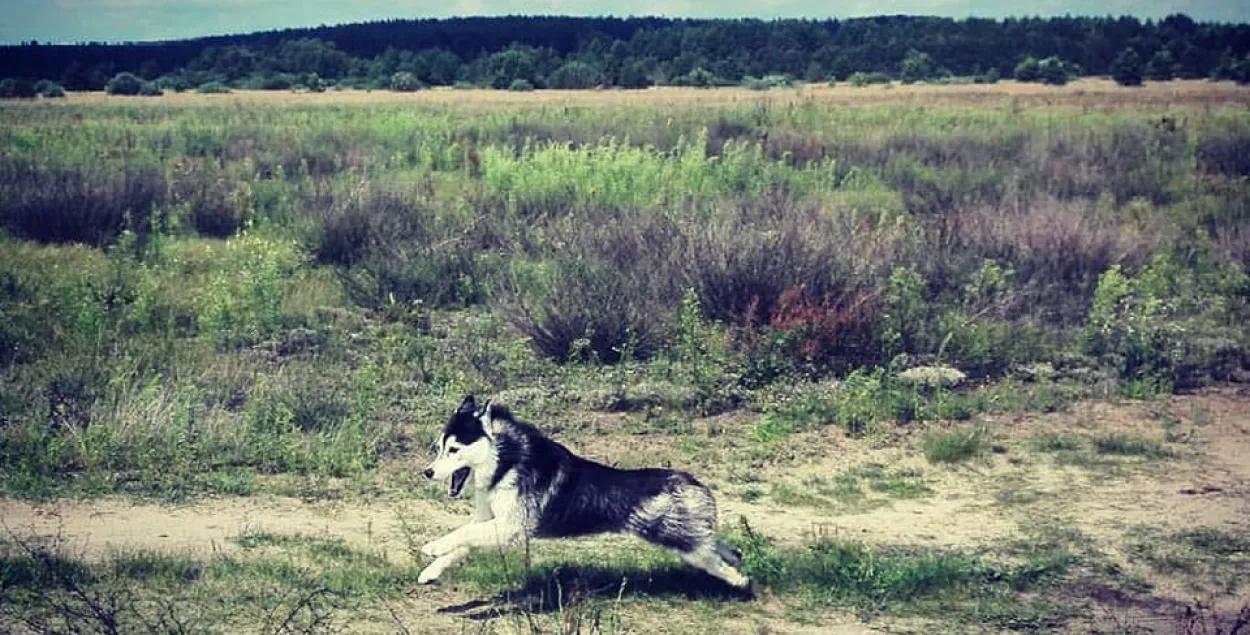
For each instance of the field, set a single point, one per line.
(953, 358)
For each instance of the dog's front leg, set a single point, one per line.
(441, 564)
(487, 534)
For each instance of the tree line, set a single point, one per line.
(564, 52)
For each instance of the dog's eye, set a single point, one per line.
(452, 450)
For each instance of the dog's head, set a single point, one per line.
(464, 445)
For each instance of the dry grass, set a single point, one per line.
(1085, 93)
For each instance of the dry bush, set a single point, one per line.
(611, 282)
(83, 205)
(216, 202)
(744, 257)
(1225, 155)
(1057, 249)
(392, 245)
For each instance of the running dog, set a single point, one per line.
(528, 486)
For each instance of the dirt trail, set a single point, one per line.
(1208, 486)
(1001, 498)
(211, 525)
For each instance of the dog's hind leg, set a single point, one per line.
(709, 558)
(730, 555)
(441, 564)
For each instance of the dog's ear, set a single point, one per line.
(485, 415)
(468, 405)
(501, 413)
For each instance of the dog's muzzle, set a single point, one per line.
(456, 482)
(458, 479)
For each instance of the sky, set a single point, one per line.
(139, 20)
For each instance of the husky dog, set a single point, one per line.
(528, 486)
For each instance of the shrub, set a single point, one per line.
(405, 82)
(393, 247)
(575, 75)
(1225, 154)
(988, 77)
(278, 81)
(242, 305)
(767, 82)
(1050, 70)
(213, 88)
(150, 89)
(177, 83)
(47, 88)
(1027, 70)
(698, 77)
(955, 446)
(633, 75)
(1127, 70)
(1131, 328)
(18, 88)
(916, 66)
(214, 201)
(314, 84)
(1162, 67)
(93, 206)
(521, 86)
(612, 287)
(861, 79)
(124, 84)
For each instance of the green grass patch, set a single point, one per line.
(904, 581)
(1054, 442)
(956, 446)
(1129, 445)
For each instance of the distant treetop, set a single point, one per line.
(570, 52)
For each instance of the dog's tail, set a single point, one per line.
(730, 555)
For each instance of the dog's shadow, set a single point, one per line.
(570, 586)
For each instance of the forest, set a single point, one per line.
(565, 52)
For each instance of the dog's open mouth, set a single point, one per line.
(458, 479)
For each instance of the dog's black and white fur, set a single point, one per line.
(528, 486)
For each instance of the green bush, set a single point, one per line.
(18, 88)
(521, 86)
(1168, 327)
(988, 77)
(177, 83)
(860, 79)
(767, 82)
(955, 446)
(392, 247)
(278, 81)
(1051, 70)
(1162, 67)
(313, 83)
(1127, 68)
(575, 75)
(1131, 329)
(124, 84)
(47, 88)
(213, 88)
(917, 66)
(405, 82)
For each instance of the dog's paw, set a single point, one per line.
(429, 574)
(435, 548)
